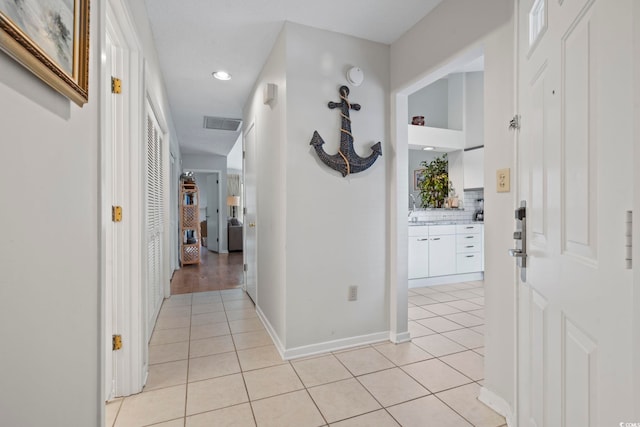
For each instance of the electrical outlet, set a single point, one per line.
(353, 293)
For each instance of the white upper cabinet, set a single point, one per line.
(473, 168)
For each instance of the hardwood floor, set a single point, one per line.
(215, 272)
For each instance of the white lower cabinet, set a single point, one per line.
(442, 260)
(441, 250)
(469, 248)
(418, 257)
(418, 251)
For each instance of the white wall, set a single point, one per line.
(474, 109)
(336, 227)
(432, 102)
(456, 101)
(465, 25)
(270, 138)
(50, 305)
(500, 270)
(204, 163)
(312, 222)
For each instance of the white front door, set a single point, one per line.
(575, 174)
(213, 213)
(250, 204)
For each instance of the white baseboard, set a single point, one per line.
(444, 280)
(341, 344)
(498, 404)
(399, 338)
(323, 347)
(272, 332)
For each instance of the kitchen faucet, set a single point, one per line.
(413, 201)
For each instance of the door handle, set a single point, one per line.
(517, 253)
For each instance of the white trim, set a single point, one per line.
(399, 338)
(123, 313)
(319, 348)
(442, 280)
(271, 331)
(341, 344)
(498, 404)
(222, 216)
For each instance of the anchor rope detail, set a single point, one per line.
(346, 162)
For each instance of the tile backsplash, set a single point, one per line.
(469, 206)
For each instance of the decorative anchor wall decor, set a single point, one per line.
(346, 161)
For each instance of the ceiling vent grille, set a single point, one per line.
(222, 123)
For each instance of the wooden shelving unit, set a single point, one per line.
(189, 224)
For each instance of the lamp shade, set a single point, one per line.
(233, 200)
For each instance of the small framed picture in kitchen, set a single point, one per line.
(50, 38)
(418, 178)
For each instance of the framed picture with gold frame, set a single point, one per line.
(418, 177)
(51, 39)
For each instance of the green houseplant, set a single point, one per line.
(434, 187)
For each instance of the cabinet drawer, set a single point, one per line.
(441, 230)
(468, 238)
(468, 228)
(467, 247)
(418, 230)
(469, 263)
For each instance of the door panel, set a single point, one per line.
(575, 173)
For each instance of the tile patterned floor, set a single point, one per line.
(213, 364)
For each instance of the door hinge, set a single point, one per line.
(116, 85)
(244, 267)
(116, 213)
(217, 239)
(116, 341)
(514, 124)
(244, 211)
(629, 241)
(244, 154)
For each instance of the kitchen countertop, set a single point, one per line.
(442, 222)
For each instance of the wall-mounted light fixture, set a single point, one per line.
(270, 93)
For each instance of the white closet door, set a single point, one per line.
(154, 220)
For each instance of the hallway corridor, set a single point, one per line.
(215, 272)
(213, 364)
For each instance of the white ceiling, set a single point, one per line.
(197, 37)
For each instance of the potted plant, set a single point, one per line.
(434, 188)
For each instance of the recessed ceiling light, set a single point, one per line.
(222, 75)
(429, 148)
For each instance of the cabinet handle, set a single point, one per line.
(470, 256)
(469, 246)
(469, 228)
(436, 238)
(422, 240)
(469, 237)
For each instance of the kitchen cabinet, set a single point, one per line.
(469, 252)
(442, 250)
(473, 161)
(418, 252)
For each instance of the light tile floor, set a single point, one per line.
(213, 364)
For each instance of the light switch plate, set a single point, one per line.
(503, 181)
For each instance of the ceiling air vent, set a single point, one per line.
(222, 123)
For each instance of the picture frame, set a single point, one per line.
(51, 39)
(418, 177)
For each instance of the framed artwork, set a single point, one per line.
(51, 39)
(418, 177)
